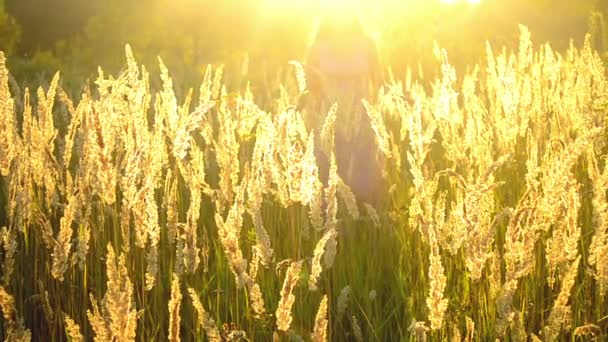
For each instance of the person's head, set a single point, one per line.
(336, 26)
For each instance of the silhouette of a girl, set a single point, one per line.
(343, 68)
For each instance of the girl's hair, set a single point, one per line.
(331, 27)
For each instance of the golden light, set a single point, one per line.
(454, 2)
(356, 4)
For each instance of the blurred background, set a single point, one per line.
(256, 39)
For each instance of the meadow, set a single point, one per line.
(131, 214)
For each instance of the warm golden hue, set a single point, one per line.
(492, 222)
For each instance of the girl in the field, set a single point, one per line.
(343, 68)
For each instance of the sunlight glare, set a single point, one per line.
(453, 2)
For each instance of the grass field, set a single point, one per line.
(130, 214)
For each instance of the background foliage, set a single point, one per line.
(75, 36)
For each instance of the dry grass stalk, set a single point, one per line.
(73, 330)
(8, 240)
(319, 334)
(435, 302)
(327, 136)
(599, 244)
(63, 244)
(357, 333)
(343, 301)
(204, 320)
(470, 329)
(560, 315)
(229, 232)
(349, 199)
(8, 121)
(283, 313)
(174, 310)
(15, 330)
(320, 250)
(191, 250)
(117, 318)
(382, 138)
(419, 331)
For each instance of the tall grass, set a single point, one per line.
(494, 223)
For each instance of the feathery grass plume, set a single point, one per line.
(174, 310)
(98, 322)
(8, 121)
(257, 301)
(73, 330)
(598, 249)
(82, 249)
(76, 118)
(117, 320)
(248, 114)
(327, 136)
(373, 214)
(166, 102)
(14, 328)
(100, 145)
(504, 306)
(310, 172)
(125, 225)
(435, 302)
(382, 138)
(560, 316)
(419, 330)
(153, 229)
(478, 207)
(63, 243)
(191, 257)
(195, 172)
(283, 313)
(262, 250)
(229, 232)
(8, 240)
(319, 333)
(518, 330)
(331, 200)
(357, 333)
(204, 320)
(300, 75)
(562, 247)
(421, 205)
(118, 300)
(183, 141)
(343, 301)
(558, 164)
(320, 251)
(227, 148)
(470, 329)
(290, 154)
(262, 161)
(263, 244)
(520, 241)
(456, 335)
(171, 207)
(315, 211)
(255, 293)
(349, 199)
(494, 275)
(21, 206)
(41, 139)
